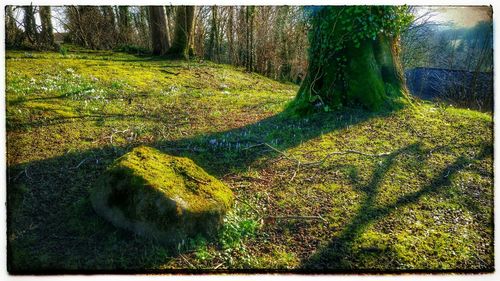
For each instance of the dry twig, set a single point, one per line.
(186, 260)
(297, 217)
(315, 163)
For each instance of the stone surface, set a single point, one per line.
(161, 196)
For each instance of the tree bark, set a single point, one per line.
(249, 19)
(47, 35)
(230, 34)
(30, 25)
(158, 25)
(212, 43)
(182, 43)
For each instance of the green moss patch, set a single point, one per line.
(165, 197)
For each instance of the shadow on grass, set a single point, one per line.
(339, 255)
(53, 228)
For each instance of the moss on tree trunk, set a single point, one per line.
(182, 42)
(346, 69)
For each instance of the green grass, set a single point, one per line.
(427, 205)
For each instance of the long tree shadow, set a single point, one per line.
(49, 211)
(338, 255)
(235, 150)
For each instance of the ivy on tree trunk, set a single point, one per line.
(353, 58)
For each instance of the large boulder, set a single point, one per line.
(161, 196)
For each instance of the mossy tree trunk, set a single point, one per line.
(213, 48)
(184, 21)
(30, 24)
(349, 70)
(158, 26)
(47, 35)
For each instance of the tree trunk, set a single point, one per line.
(158, 25)
(141, 20)
(169, 11)
(365, 72)
(13, 35)
(230, 34)
(212, 45)
(181, 45)
(47, 35)
(249, 18)
(124, 25)
(30, 25)
(109, 27)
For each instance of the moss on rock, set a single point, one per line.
(161, 196)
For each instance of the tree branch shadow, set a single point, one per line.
(51, 195)
(338, 253)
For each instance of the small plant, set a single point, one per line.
(63, 50)
(236, 229)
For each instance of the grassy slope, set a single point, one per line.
(426, 205)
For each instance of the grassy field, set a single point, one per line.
(408, 190)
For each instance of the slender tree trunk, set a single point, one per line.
(247, 36)
(252, 17)
(141, 20)
(47, 35)
(230, 34)
(182, 43)
(124, 24)
(158, 25)
(170, 11)
(109, 27)
(212, 43)
(242, 37)
(249, 22)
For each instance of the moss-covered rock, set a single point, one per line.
(161, 196)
